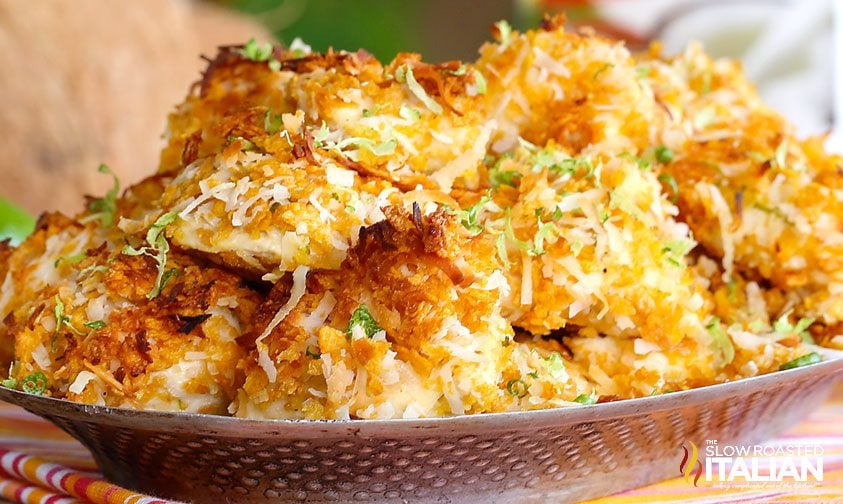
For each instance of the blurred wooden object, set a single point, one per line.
(90, 81)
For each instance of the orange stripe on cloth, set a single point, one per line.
(58, 478)
(17, 491)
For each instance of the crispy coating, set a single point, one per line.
(270, 211)
(7, 339)
(441, 345)
(761, 309)
(79, 310)
(603, 257)
(765, 203)
(576, 89)
(141, 200)
(601, 245)
(399, 122)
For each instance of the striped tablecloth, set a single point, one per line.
(40, 464)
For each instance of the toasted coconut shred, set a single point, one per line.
(557, 223)
(296, 293)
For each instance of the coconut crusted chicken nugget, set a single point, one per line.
(767, 204)
(761, 309)
(747, 323)
(98, 321)
(608, 271)
(591, 249)
(271, 205)
(7, 340)
(410, 326)
(417, 119)
(599, 240)
(576, 89)
(231, 85)
(401, 122)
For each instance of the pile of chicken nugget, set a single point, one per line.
(559, 223)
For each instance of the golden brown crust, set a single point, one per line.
(415, 274)
(68, 272)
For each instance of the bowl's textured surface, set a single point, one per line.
(557, 455)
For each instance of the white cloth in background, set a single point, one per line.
(787, 48)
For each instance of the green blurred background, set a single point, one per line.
(14, 222)
(438, 29)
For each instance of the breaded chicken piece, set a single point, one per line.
(95, 321)
(7, 340)
(576, 89)
(410, 326)
(603, 257)
(608, 271)
(601, 244)
(269, 207)
(400, 122)
(624, 368)
(756, 197)
(762, 309)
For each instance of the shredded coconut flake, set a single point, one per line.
(527, 280)
(41, 357)
(81, 381)
(206, 195)
(724, 216)
(296, 293)
(339, 176)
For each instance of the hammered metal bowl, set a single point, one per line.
(558, 455)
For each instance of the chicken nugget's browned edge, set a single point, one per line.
(7, 339)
